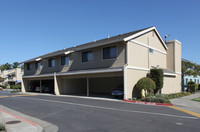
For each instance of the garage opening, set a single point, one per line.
(41, 86)
(76, 86)
(104, 86)
(93, 86)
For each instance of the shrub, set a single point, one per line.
(192, 86)
(146, 84)
(157, 76)
(15, 86)
(5, 86)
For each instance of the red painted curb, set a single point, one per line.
(148, 103)
(19, 118)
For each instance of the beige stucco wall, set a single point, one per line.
(171, 85)
(170, 56)
(139, 55)
(151, 39)
(131, 78)
(174, 56)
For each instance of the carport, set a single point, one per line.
(41, 86)
(90, 83)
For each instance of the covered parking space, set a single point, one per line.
(99, 83)
(39, 84)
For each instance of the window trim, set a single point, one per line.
(87, 61)
(109, 58)
(61, 61)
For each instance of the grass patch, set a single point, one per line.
(196, 99)
(15, 91)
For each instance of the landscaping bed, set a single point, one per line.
(158, 99)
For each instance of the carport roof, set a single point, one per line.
(101, 42)
(79, 72)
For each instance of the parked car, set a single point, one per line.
(1, 88)
(37, 89)
(118, 91)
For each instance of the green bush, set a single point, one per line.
(155, 99)
(15, 86)
(146, 84)
(157, 76)
(5, 86)
(192, 86)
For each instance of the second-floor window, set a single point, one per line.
(110, 52)
(29, 66)
(87, 56)
(37, 65)
(64, 60)
(51, 63)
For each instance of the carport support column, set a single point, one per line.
(23, 86)
(88, 87)
(56, 89)
(40, 86)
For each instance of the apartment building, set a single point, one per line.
(96, 68)
(12, 76)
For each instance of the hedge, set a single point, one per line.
(15, 86)
(157, 76)
(146, 84)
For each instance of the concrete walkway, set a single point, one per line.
(187, 104)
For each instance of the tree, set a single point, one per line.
(157, 76)
(1, 79)
(15, 65)
(6, 66)
(146, 84)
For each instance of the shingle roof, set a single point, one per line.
(101, 42)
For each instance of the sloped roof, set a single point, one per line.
(101, 42)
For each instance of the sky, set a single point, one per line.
(30, 28)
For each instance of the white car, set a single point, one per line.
(37, 89)
(119, 91)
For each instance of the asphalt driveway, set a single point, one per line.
(79, 114)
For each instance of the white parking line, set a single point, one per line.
(113, 109)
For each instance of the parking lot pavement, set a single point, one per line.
(79, 114)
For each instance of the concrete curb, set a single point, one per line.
(13, 123)
(148, 103)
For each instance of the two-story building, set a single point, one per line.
(96, 68)
(12, 76)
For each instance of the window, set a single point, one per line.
(64, 60)
(29, 66)
(37, 65)
(195, 81)
(151, 50)
(51, 62)
(87, 56)
(198, 81)
(110, 52)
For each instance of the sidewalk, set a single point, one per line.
(187, 104)
(17, 122)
